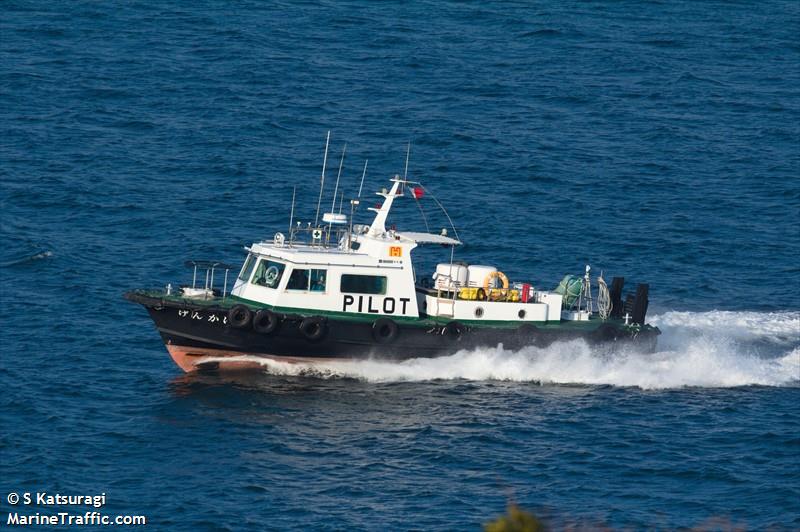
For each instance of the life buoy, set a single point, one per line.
(495, 275)
(384, 330)
(239, 316)
(265, 321)
(453, 331)
(496, 294)
(313, 328)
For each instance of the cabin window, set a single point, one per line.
(268, 273)
(313, 280)
(247, 269)
(364, 284)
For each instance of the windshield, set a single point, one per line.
(247, 269)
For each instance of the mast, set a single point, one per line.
(378, 226)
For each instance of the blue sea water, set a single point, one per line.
(659, 141)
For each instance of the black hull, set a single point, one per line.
(196, 330)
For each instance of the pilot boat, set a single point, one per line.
(339, 290)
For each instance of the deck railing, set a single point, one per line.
(210, 267)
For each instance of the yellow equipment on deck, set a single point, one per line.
(503, 294)
(476, 293)
(472, 293)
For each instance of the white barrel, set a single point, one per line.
(478, 273)
(450, 276)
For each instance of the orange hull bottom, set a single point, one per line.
(202, 358)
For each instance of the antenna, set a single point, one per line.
(442, 209)
(408, 153)
(322, 181)
(338, 176)
(355, 202)
(421, 210)
(336, 189)
(363, 175)
(291, 216)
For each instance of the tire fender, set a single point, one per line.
(239, 316)
(265, 321)
(385, 330)
(453, 331)
(314, 328)
(606, 333)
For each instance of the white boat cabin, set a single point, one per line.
(367, 270)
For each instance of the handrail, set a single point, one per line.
(210, 266)
(207, 264)
(324, 233)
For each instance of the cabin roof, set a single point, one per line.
(428, 238)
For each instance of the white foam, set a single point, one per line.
(774, 326)
(705, 349)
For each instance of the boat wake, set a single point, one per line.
(25, 258)
(703, 349)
